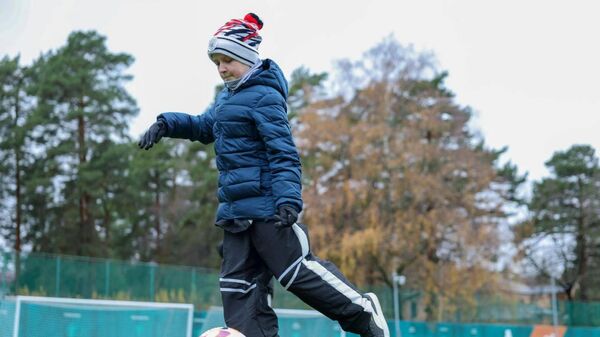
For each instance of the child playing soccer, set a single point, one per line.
(260, 193)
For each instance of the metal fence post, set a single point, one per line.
(106, 277)
(152, 267)
(554, 306)
(193, 285)
(396, 281)
(57, 286)
(3, 279)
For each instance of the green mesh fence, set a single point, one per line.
(91, 278)
(580, 313)
(83, 277)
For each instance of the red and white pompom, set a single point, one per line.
(254, 19)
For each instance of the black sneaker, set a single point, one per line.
(377, 325)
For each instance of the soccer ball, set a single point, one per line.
(222, 332)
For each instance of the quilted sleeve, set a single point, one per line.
(274, 129)
(186, 126)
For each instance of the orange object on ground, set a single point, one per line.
(548, 331)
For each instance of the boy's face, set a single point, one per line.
(229, 68)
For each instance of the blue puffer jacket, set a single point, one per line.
(259, 166)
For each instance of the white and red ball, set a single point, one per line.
(222, 332)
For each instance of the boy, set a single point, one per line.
(260, 193)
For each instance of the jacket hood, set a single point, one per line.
(270, 75)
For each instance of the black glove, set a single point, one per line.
(286, 216)
(153, 135)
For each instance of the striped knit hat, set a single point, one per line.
(238, 39)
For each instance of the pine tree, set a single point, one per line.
(304, 89)
(562, 237)
(15, 109)
(83, 105)
(16, 157)
(191, 235)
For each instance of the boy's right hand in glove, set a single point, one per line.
(153, 135)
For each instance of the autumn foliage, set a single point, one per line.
(396, 181)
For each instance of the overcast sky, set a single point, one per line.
(529, 68)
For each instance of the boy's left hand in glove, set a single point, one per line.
(286, 216)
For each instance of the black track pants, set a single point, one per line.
(253, 256)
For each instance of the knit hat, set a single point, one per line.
(238, 39)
